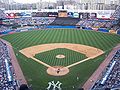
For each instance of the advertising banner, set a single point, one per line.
(103, 14)
(52, 14)
(76, 15)
(70, 14)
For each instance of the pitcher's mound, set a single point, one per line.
(60, 56)
(57, 71)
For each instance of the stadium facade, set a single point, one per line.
(60, 4)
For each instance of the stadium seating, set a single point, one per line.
(65, 21)
(116, 14)
(32, 20)
(95, 24)
(111, 76)
(3, 28)
(2, 15)
(116, 22)
(7, 75)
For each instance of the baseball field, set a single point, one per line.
(60, 58)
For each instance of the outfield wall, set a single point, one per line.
(60, 26)
(57, 26)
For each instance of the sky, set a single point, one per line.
(32, 1)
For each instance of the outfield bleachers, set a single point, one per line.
(95, 24)
(65, 21)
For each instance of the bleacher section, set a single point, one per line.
(111, 76)
(65, 21)
(116, 22)
(95, 23)
(7, 75)
(116, 14)
(2, 14)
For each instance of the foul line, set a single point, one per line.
(37, 60)
(77, 63)
(74, 64)
(69, 66)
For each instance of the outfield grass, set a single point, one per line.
(35, 73)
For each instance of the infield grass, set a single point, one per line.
(71, 57)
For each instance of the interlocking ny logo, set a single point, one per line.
(53, 86)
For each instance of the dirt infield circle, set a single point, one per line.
(57, 71)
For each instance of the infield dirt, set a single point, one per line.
(83, 49)
(90, 52)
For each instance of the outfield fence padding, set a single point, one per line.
(103, 30)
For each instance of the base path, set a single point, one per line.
(69, 66)
(89, 51)
(96, 75)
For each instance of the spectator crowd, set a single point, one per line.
(3, 28)
(108, 24)
(7, 75)
(34, 20)
(111, 76)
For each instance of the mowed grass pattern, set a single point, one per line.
(35, 73)
(90, 38)
(71, 57)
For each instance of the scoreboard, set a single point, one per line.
(62, 13)
(85, 16)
